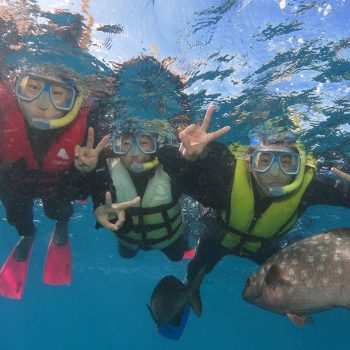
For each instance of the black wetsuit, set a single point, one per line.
(175, 250)
(209, 180)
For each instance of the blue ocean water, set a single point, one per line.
(283, 61)
(105, 305)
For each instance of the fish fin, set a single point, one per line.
(299, 319)
(274, 277)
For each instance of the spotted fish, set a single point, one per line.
(308, 276)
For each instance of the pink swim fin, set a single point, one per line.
(189, 254)
(58, 264)
(13, 276)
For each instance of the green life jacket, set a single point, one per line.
(245, 230)
(157, 222)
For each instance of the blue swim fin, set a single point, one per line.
(13, 275)
(58, 264)
(173, 331)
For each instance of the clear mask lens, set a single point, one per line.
(288, 162)
(134, 143)
(30, 87)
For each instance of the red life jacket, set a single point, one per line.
(15, 144)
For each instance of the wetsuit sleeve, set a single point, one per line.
(99, 182)
(207, 180)
(329, 191)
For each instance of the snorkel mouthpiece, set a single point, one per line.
(276, 191)
(139, 168)
(40, 123)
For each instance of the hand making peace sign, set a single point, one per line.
(86, 157)
(109, 211)
(195, 137)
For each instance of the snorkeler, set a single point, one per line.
(157, 221)
(149, 105)
(256, 193)
(44, 125)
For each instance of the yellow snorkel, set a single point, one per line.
(69, 117)
(60, 122)
(151, 164)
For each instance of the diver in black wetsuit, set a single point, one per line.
(256, 193)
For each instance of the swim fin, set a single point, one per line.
(13, 275)
(189, 254)
(58, 264)
(172, 331)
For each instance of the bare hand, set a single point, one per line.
(195, 138)
(86, 158)
(339, 173)
(109, 211)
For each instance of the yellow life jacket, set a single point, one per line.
(157, 222)
(246, 231)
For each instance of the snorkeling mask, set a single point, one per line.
(263, 160)
(134, 143)
(140, 136)
(30, 87)
(290, 162)
(136, 136)
(63, 96)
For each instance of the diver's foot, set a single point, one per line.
(60, 236)
(23, 248)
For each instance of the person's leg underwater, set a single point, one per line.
(126, 252)
(177, 249)
(19, 212)
(59, 209)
